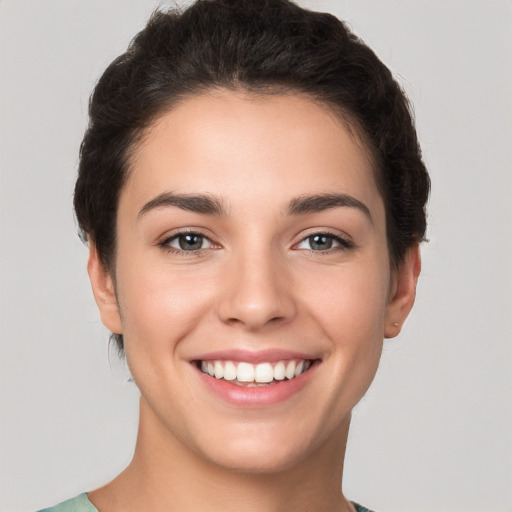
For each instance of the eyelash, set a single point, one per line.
(344, 244)
(164, 244)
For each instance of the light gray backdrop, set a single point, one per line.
(434, 432)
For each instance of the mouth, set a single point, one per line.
(263, 374)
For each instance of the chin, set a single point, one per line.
(256, 461)
(261, 451)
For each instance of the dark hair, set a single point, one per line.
(261, 46)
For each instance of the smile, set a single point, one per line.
(254, 375)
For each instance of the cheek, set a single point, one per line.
(160, 305)
(351, 308)
(350, 299)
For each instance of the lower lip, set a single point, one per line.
(264, 396)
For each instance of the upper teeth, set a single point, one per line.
(262, 372)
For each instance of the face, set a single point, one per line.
(253, 283)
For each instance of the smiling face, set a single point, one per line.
(253, 282)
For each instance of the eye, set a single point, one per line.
(323, 242)
(188, 242)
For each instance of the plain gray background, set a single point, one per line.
(434, 432)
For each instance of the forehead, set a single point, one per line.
(244, 146)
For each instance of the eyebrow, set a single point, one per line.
(211, 205)
(198, 203)
(320, 202)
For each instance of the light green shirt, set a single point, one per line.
(79, 504)
(82, 504)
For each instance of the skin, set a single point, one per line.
(256, 284)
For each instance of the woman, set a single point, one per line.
(253, 196)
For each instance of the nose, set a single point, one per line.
(258, 292)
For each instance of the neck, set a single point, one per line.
(165, 475)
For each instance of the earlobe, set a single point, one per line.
(403, 292)
(104, 291)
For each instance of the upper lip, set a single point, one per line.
(254, 357)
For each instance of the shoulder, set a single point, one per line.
(79, 504)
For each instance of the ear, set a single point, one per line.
(104, 291)
(403, 292)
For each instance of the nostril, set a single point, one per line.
(254, 321)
